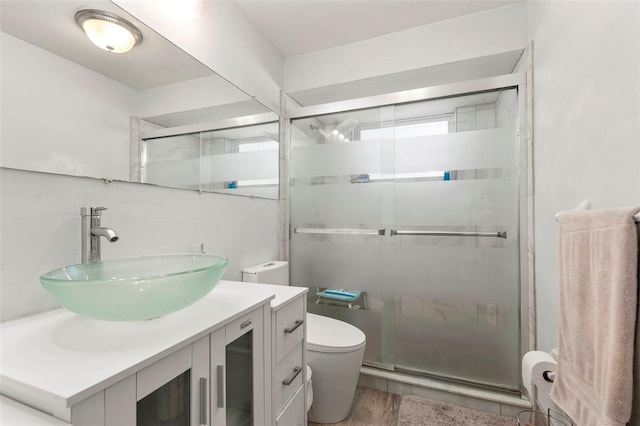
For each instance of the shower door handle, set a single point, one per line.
(339, 231)
(498, 234)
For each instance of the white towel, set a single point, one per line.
(597, 316)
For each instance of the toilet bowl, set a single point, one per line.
(334, 353)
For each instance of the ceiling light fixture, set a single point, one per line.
(108, 31)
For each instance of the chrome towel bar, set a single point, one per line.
(586, 205)
(636, 217)
(499, 234)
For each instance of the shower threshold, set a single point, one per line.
(506, 403)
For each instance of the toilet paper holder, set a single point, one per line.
(549, 376)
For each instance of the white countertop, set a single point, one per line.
(283, 294)
(13, 413)
(56, 359)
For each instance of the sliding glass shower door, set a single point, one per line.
(413, 210)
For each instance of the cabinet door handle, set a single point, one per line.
(203, 401)
(297, 324)
(220, 378)
(245, 324)
(296, 371)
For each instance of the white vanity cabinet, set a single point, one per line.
(288, 352)
(201, 365)
(217, 380)
(288, 361)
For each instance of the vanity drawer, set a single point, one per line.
(289, 370)
(289, 327)
(293, 414)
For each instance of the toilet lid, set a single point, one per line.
(326, 334)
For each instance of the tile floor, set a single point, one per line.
(371, 408)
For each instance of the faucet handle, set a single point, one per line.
(97, 210)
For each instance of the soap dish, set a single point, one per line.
(339, 294)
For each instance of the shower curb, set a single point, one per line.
(480, 399)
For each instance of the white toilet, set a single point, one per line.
(334, 352)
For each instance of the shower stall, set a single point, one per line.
(414, 204)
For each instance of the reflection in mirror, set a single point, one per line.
(237, 160)
(69, 107)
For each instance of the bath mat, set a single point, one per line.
(417, 411)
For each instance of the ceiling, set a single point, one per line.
(294, 27)
(301, 26)
(50, 25)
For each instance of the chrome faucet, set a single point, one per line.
(92, 231)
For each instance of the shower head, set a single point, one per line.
(347, 125)
(340, 130)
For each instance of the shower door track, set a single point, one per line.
(458, 380)
(489, 84)
(398, 371)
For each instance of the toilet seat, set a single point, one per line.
(326, 334)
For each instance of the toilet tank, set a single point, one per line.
(274, 272)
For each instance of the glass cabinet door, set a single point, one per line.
(238, 376)
(173, 391)
(168, 405)
(239, 384)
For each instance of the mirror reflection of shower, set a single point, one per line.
(337, 132)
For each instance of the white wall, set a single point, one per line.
(202, 92)
(59, 116)
(586, 123)
(222, 38)
(40, 225)
(492, 32)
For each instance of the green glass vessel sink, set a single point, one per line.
(137, 288)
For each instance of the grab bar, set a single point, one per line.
(339, 231)
(499, 234)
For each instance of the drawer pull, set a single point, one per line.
(296, 371)
(297, 324)
(245, 324)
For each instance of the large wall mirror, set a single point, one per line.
(153, 115)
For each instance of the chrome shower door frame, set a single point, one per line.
(517, 81)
